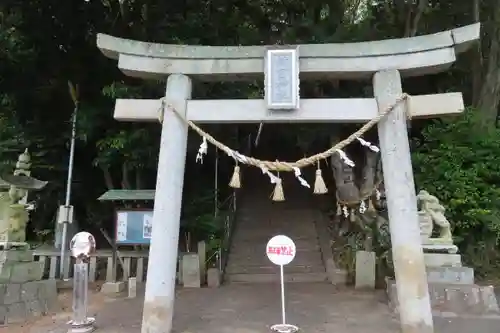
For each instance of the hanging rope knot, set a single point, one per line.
(161, 110)
(404, 98)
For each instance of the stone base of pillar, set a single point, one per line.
(132, 287)
(113, 287)
(213, 278)
(191, 275)
(456, 297)
(366, 263)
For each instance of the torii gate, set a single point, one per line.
(384, 61)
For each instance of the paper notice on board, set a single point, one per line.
(147, 226)
(121, 226)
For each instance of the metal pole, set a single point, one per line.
(282, 278)
(68, 189)
(80, 293)
(80, 323)
(216, 181)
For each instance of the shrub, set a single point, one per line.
(461, 166)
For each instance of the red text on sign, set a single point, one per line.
(280, 250)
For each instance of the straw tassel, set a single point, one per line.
(235, 179)
(278, 194)
(319, 183)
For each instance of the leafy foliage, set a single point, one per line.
(461, 167)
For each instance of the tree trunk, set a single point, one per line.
(138, 179)
(108, 180)
(477, 62)
(125, 176)
(413, 17)
(489, 95)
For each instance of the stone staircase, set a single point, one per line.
(260, 218)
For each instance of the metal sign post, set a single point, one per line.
(281, 251)
(82, 245)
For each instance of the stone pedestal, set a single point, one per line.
(450, 275)
(113, 287)
(202, 255)
(191, 277)
(442, 259)
(213, 278)
(436, 247)
(365, 270)
(455, 299)
(132, 287)
(23, 293)
(452, 288)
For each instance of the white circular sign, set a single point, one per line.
(82, 244)
(280, 250)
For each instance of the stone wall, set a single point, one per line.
(23, 293)
(20, 301)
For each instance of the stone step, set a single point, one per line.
(264, 204)
(254, 208)
(264, 237)
(442, 259)
(265, 263)
(455, 299)
(291, 219)
(260, 257)
(277, 220)
(254, 223)
(267, 278)
(261, 242)
(254, 252)
(273, 269)
(454, 275)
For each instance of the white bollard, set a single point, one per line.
(82, 244)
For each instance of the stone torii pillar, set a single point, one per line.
(407, 253)
(161, 276)
(414, 56)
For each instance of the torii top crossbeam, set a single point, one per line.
(413, 56)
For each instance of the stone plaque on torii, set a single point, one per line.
(384, 61)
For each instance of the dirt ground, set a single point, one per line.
(314, 308)
(235, 308)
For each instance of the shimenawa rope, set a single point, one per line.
(279, 166)
(289, 166)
